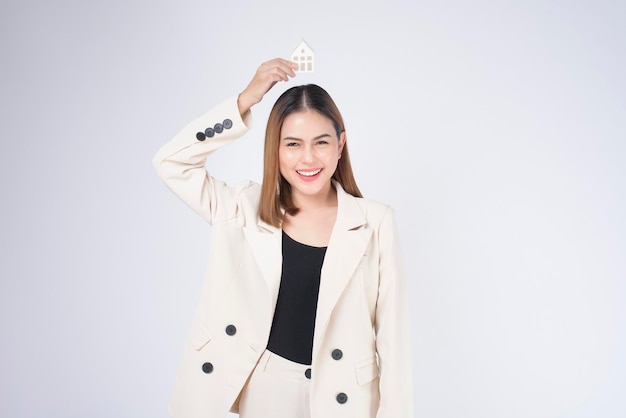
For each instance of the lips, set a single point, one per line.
(309, 175)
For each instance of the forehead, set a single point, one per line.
(307, 121)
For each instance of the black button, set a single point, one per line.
(337, 354)
(307, 373)
(209, 132)
(200, 136)
(218, 128)
(207, 368)
(231, 330)
(342, 398)
(227, 123)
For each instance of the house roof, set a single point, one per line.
(301, 45)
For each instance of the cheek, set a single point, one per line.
(332, 158)
(284, 159)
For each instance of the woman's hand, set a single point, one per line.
(268, 74)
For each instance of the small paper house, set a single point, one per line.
(305, 57)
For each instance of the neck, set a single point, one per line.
(325, 199)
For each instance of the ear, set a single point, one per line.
(342, 142)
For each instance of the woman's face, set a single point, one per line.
(308, 153)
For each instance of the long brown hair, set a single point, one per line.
(276, 191)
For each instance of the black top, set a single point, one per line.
(292, 330)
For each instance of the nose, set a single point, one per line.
(308, 156)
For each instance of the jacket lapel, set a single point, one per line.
(266, 245)
(348, 243)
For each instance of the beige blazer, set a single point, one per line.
(362, 306)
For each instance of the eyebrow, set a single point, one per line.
(291, 138)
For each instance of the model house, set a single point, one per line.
(305, 57)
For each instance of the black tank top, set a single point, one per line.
(292, 330)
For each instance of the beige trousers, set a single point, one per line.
(277, 388)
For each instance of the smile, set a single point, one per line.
(309, 173)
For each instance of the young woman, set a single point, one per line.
(304, 308)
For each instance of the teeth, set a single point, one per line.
(309, 173)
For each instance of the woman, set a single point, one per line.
(303, 312)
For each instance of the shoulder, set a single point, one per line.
(372, 207)
(381, 219)
(237, 203)
(372, 211)
(377, 213)
(248, 192)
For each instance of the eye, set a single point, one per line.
(291, 144)
(322, 142)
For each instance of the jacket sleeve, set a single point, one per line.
(393, 331)
(181, 162)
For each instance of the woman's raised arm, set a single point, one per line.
(266, 76)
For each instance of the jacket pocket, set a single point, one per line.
(200, 336)
(366, 371)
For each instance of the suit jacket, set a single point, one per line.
(362, 305)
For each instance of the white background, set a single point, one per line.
(496, 129)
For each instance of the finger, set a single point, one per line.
(281, 73)
(289, 67)
(287, 71)
(285, 65)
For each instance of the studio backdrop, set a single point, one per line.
(495, 129)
